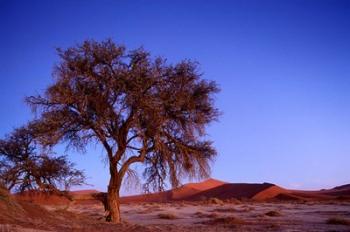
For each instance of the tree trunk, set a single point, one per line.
(113, 206)
(113, 200)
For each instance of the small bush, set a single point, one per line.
(338, 221)
(273, 214)
(215, 201)
(199, 214)
(233, 201)
(168, 216)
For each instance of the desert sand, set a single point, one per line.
(207, 206)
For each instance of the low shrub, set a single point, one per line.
(168, 216)
(273, 214)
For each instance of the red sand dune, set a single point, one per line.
(190, 189)
(83, 192)
(207, 184)
(338, 191)
(43, 198)
(228, 191)
(288, 197)
(152, 197)
(210, 188)
(342, 187)
(341, 192)
(311, 195)
(259, 192)
(269, 193)
(180, 193)
(84, 196)
(50, 198)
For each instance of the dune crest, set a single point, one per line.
(269, 193)
(210, 188)
(190, 189)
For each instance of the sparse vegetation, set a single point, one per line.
(26, 166)
(215, 201)
(273, 213)
(169, 216)
(233, 201)
(199, 214)
(338, 221)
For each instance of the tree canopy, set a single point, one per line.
(140, 109)
(26, 167)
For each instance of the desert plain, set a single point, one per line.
(211, 205)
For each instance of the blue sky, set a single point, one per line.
(283, 68)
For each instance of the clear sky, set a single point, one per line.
(283, 68)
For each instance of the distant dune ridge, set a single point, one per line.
(83, 192)
(180, 193)
(239, 191)
(210, 188)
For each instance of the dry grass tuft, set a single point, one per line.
(215, 201)
(338, 221)
(168, 216)
(273, 213)
(233, 201)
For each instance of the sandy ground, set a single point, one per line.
(246, 216)
(262, 207)
(88, 215)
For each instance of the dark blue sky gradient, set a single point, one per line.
(283, 67)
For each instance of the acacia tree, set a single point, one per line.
(23, 166)
(141, 110)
